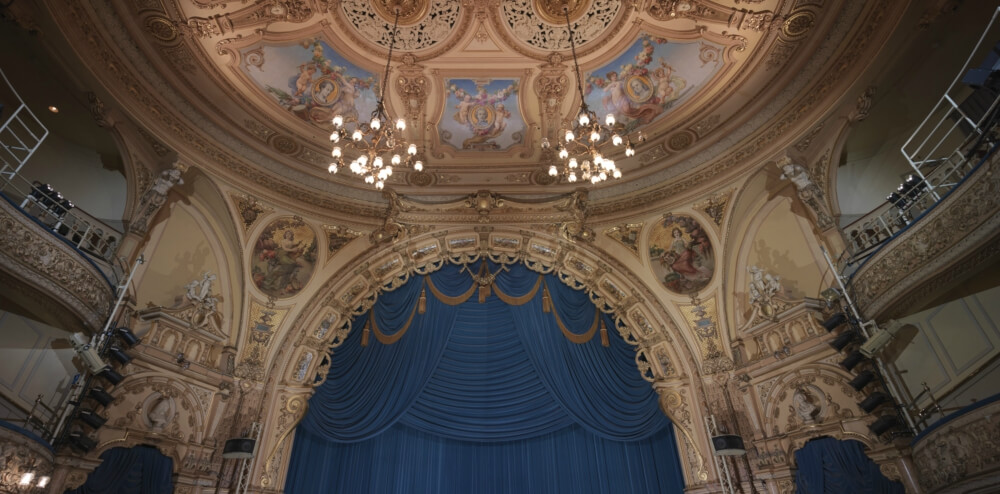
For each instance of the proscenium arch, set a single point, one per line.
(640, 317)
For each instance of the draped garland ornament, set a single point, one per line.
(484, 280)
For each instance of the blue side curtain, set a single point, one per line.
(484, 397)
(137, 470)
(830, 466)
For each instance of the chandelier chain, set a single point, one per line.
(572, 47)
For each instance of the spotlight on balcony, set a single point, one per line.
(119, 356)
(127, 336)
(112, 376)
(873, 401)
(844, 339)
(834, 321)
(862, 380)
(80, 442)
(883, 424)
(101, 396)
(92, 419)
(852, 360)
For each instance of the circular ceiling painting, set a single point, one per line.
(284, 257)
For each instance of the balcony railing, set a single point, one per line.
(958, 134)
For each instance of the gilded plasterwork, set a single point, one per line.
(627, 235)
(702, 320)
(249, 208)
(337, 237)
(264, 319)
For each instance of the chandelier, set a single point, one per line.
(377, 146)
(580, 149)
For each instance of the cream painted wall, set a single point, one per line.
(35, 359)
(182, 253)
(953, 350)
(780, 246)
(77, 172)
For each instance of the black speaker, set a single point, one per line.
(240, 447)
(112, 376)
(101, 396)
(873, 401)
(862, 380)
(92, 419)
(728, 445)
(127, 336)
(852, 360)
(844, 339)
(834, 321)
(80, 442)
(883, 424)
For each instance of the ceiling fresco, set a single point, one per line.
(264, 78)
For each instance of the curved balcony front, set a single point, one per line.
(44, 275)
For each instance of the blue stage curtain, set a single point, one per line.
(484, 397)
(138, 470)
(830, 466)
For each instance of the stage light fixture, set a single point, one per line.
(834, 321)
(92, 419)
(883, 424)
(844, 339)
(119, 356)
(112, 376)
(101, 396)
(127, 337)
(862, 380)
(852, 360)
(873, 401)
(80, 442)
(239, 448)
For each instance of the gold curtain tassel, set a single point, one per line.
(366, 331)
(422, 302)
(484, 291)
(604, 334)
(546, 300)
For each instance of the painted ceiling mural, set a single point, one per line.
(650, 78)
(311, 80)
(482, 114)
(284, 257)
(681, 254)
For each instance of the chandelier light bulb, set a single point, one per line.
(369, 179)
(412, 150)
(563, 153)
(616, 140)
(609, 120)
(363, 160)
(44, 481)
(380, 185)
(609, 164)
(356, 136)
(617, 173)
(376, 124)
(338, 121)
(569, 136)
(27, 478)
(602, 175)
(553, 171)
(335, 136)
(418, 166)
(546, 143)
(377, 163)
(594, 179)
(396, 159)
(573, 163)
(584, 118)
(355, 167)
(598, 159)
(629, 151)
(401, 124)
(332, 168)
(572, 177)
(336, 152)
(388, 171)
(595, 136)
(382, 175)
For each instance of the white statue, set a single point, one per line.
(804, 407)
(200, 291)
(763, 286)
(159, 414)
(808, 191)
(156, 196)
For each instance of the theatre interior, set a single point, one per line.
(499, 246)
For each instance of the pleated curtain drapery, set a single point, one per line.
(137, 470)
(831, 466)
(447, 385)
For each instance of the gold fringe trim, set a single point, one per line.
(523, 299)
(450, 300)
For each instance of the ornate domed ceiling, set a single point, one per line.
(251, 86)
